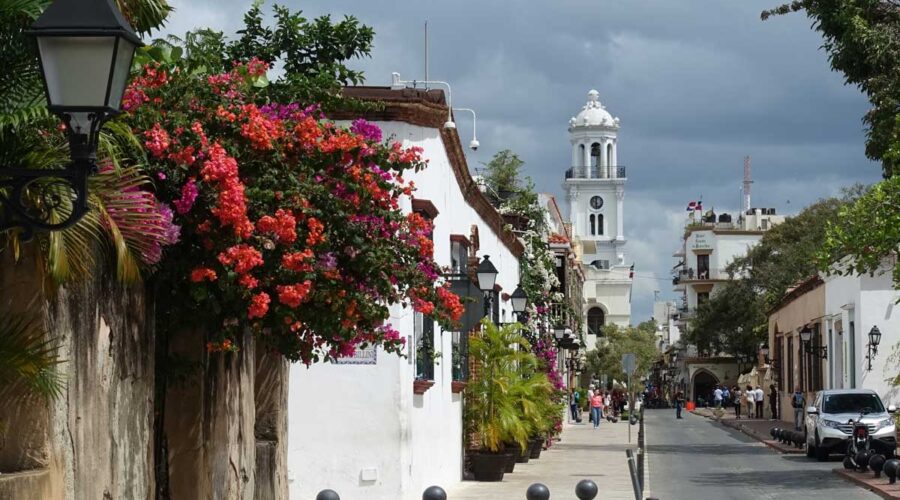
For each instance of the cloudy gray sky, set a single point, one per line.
(698, 84)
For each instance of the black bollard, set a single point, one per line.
(434, 493)
(537, 491)
(773, 431)
(862, 460)
(328, 495)
(848, 463)
(876, 463)
(586, 490)
(890, 470)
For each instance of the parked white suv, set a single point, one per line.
(828, 426)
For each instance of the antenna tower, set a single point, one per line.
(747, 183)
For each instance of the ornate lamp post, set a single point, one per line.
(806, 338)
(872, 346)
(85, 49)
(487, 278)
(519, 301)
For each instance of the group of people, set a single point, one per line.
(600, 402)
(749, 398)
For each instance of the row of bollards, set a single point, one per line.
(584, 490)
(868, 459)
(786, 436)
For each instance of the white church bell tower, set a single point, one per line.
(595, 189)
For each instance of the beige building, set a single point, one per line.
(802, 307)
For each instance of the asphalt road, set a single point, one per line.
(697, 459)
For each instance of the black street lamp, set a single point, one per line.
(872, 346)
(806, 338)
(85, 49)
(487, 278)
(519, 301)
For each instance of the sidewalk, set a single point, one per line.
(583, 453)
(757, 429)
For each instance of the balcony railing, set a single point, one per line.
(595, 173)
(690, 274)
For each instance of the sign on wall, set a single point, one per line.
(367, 356)
(701, 242)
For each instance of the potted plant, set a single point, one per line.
(492, 415)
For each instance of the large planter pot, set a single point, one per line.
(510, 462)
(488, 466)
(522, 456)
(537, 445)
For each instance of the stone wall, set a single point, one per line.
(95, 441)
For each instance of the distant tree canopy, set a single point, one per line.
(606, 359)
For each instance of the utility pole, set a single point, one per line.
(747, 183)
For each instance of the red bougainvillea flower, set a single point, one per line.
(243, 257)
(293, 295)
(259, 305)
(203, 274)
(157, 140)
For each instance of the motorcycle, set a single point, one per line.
(860, 441)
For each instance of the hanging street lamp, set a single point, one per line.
(487, 279)
(519, 301)
(872, 346)
(85, 49)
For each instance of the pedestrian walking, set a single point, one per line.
(591, 393)
(717, 397)
(773, 401)
(573, 403)
(759, 396)
(798, 401)
(750, 401)
(736, 401)
(596, 404)
(679, 403)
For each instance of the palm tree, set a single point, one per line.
(27, 361)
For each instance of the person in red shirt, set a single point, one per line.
(596, 405)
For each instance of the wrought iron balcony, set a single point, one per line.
(596, 173)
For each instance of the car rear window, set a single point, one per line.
(852, 403)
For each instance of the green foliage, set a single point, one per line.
(863, 43)
(313, 54)
(732, 321)
(492, 410)
(606, 359)
(27, 360)
(502, 176)
(866, 232)
(786, 253)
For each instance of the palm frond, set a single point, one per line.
(27, 360)
(145, 15)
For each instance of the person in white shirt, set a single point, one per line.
(759, 396)
(717, 397)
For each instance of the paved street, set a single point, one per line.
(583, 453)
(696, 458)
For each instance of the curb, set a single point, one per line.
(775, 445)
(888, 491)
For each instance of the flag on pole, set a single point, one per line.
(692, 206)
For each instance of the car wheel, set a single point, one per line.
(821, 453)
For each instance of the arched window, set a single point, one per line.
(595, 321)
(593, 226)
(595, 154)
(609, 156)
(580, 155)
(599, 224)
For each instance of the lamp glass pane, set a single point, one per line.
(486, 281)
(76, 68)
(518, 304)
(121, 72)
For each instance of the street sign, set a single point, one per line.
(629, 363)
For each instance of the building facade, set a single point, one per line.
(710, 243)
(595, 190)
(383, 427)
(839, 313)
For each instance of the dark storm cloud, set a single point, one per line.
(698, 84)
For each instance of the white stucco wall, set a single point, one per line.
(867, 301)
(347, 422)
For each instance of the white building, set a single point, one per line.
(853, 306)
(379, 426)
(595, 189)
(709, 245)
(668, 333)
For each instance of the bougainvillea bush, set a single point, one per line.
(291, 226)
